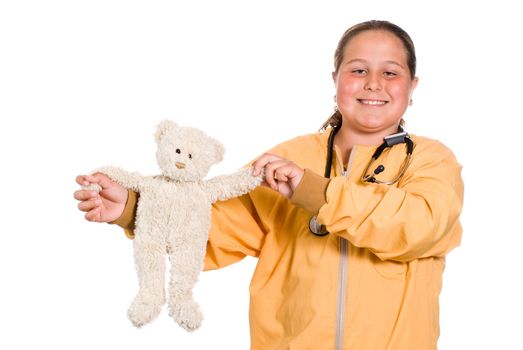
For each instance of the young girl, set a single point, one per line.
(351, 244)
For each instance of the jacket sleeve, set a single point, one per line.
(419, 218)
(126, 220)
(236, 231)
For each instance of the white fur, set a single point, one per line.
(92, 187)
(174, 217)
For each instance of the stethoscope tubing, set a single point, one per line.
(389, 141)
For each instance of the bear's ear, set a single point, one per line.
(219, 150)
(163, 127)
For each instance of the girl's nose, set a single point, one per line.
(373, 83)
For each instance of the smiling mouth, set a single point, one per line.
(372, 102)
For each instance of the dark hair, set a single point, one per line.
(336, 118)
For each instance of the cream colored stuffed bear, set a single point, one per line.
(174, 217)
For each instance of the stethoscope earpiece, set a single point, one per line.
(379, 169)
(389, 141)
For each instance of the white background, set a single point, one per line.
(84, 83)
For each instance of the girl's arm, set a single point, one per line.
(418, 219)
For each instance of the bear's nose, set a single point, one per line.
(180, 165)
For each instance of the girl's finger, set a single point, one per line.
(280, 176)
(261, 162)
(83, 195)
(97, 178)
(93, 215)
(89, 205)
(270, 168)
(102, 180)
(82, 180)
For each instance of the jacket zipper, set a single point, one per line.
(342, 276)
(342, 292)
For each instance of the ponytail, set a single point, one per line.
(334, 120)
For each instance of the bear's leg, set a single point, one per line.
(150, 266)
(186, 265)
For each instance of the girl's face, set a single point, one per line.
(373, 83)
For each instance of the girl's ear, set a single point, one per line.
(163, 127)
(413, 86)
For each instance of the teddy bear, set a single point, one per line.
(174, 217)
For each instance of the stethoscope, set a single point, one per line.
(388, 141)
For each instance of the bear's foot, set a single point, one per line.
(187, 314)
(144, 309)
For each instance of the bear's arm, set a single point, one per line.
(131, 180)
(223, 187)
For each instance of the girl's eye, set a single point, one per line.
(358, 71)
(190, 156)
(178, 151)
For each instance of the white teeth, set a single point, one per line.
(373, 102)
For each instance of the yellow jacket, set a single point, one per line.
(373, 282)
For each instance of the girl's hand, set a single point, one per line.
(281, 174)
(105, 206)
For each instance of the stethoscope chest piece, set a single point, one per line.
(316, 228)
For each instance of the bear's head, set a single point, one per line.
(185, 154)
